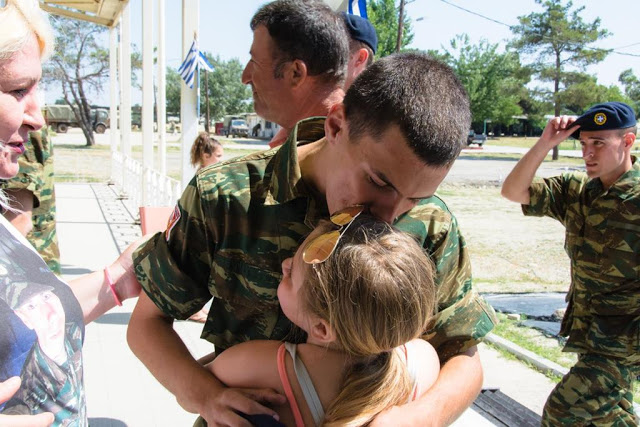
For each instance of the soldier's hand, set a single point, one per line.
(557, 130)
(223, 410)
(8, 389)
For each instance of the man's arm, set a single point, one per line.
(153, 340)
(458, 384)
(23, 201)
(516, 185)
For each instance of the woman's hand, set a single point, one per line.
(7, 389)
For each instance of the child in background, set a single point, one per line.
(205, 151)
(363, 294)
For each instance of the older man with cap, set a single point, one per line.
(600, 209)
(363, 43)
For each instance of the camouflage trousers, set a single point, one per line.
(597, 391)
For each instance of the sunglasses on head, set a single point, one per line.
(320, 248)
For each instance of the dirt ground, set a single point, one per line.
(509, 252)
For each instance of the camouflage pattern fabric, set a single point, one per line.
(36, 175)
(603, 242)
(48, 387)
(597, 391)
(238, 220)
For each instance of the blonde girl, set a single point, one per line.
(205, 151)
(363, 294)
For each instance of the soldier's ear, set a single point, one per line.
(335, 124)
(297, 70)
(629, 139)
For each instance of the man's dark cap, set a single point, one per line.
(607, 116)
(361, 29)
(18, 293)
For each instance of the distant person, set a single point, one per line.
(363, 44)
(206, 151)
(600, 209)
(32, 193)
(298, 62)
(364, 294)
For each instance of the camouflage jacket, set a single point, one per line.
(238, 220)
(36, 176)
(603, 242)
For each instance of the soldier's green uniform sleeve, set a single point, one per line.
(174, 266)
(29, 178)
(547, 198)
(463, 317)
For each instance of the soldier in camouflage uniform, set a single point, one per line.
(238, 220)
(600, 209)
(52, 373)
(35, 181)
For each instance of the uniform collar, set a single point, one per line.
(626, 186)
(286, 181)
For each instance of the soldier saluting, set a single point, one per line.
(600, 209)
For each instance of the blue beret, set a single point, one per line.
(607, 116)
(360, 29)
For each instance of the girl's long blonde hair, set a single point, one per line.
(377, 292)
(204, 144)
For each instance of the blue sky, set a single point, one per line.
(224, 28)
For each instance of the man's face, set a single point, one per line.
(271, 95)
(19, 109)
(384, 174)
(605, 154)
(44, 314)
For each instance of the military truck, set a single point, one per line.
(61, 117)
(235, 125)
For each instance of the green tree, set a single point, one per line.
(582, 91)
(494, 81)
(78, 64)
(558, 38)
(227, 93)
(631, 85)
(383, 15)
(173, 91)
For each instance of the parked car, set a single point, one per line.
(476, 138)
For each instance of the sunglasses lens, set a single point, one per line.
(320, 248)
(345, 216)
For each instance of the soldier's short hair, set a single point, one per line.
(307, 30)
(419, 94)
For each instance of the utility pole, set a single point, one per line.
(400, 25)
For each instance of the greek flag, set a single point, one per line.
(191, 63)
(358, 7)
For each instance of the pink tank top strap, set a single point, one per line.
(284, 379)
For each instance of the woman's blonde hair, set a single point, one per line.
(203, 144)
(377, 292)
(19, 19)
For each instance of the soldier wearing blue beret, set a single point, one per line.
(363, 44)
(600, 209)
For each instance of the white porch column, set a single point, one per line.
(162, 91)
(113, 95)
(188, 97)
(147, 98)
(125, 82)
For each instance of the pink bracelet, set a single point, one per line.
(112, 287)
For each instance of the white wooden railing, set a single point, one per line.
(134, 182)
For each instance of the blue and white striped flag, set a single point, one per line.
(191, 63)
(358, 7)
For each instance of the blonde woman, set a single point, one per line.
(42, 318)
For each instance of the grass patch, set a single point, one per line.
(541, 344)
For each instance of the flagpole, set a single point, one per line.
(195, 36)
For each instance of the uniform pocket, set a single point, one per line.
(615, 335)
